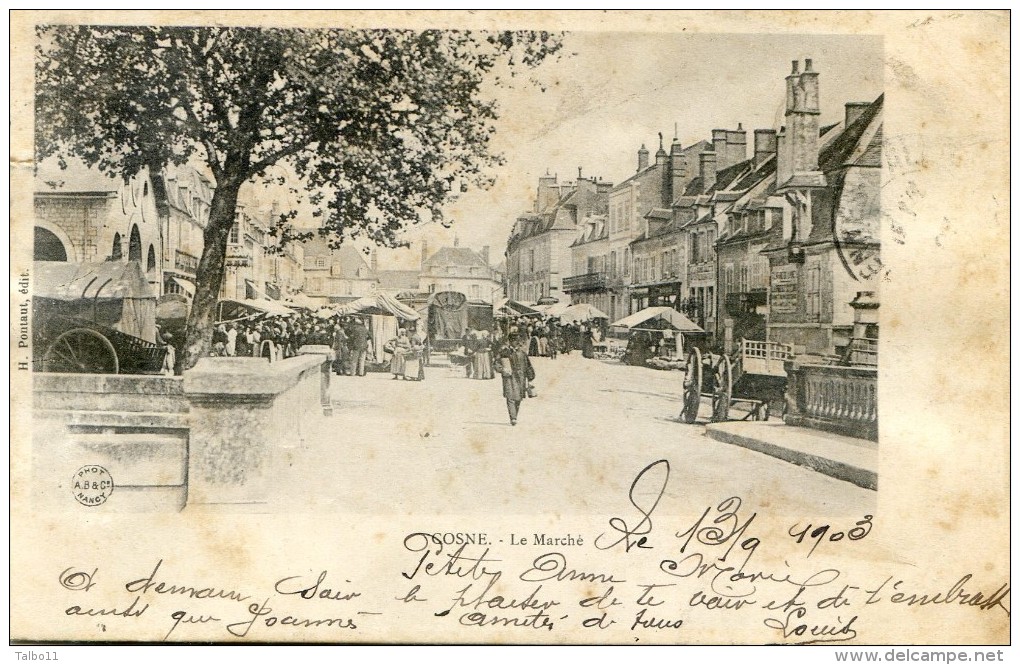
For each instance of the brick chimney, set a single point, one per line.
(764, 145)
(719, 137)
(707, 164)
(784, 167)
(642, 158)
(677, 170)
(802, 113)
(548, 192)
(854, 110)
(660, 155)
(485, 255)
(736, 145)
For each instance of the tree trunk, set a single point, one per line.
(209, 277)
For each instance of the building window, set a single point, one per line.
(814, 305)
(235, 234)
(475, 291)
(710, 301)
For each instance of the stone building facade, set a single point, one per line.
(538, 255)
(83, 215)
(826, 250)
(336, 275)
(462, 270)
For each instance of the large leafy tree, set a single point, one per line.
(381, 127)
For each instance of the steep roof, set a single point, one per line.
(76, 178)
(346, 262)
(398, 279)
(455, 256)
(859, 145)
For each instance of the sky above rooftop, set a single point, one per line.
(611, 92)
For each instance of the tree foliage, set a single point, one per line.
(381, 127)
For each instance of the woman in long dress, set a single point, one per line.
(414, 359)
(483, 356)
(400, 346)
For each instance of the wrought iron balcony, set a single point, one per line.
(588, 282)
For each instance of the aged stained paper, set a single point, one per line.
(337, 555)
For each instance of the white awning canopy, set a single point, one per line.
(185, 285)
(675, 319)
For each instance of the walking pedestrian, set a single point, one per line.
(517, 372)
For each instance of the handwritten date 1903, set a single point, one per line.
(818, 533)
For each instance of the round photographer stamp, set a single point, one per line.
(92, 485)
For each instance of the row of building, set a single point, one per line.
(770, 240)
(158, 220)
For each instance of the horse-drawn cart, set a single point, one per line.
(96, 318)
(754, 377)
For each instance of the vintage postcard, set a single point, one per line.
(510, 328)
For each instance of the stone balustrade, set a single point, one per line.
(838, 399)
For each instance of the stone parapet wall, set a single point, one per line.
(210, 438)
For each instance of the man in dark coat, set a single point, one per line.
(359, 347)
(518, 373)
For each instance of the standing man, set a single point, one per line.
(339, 349)
(359, 346)
(515, 366)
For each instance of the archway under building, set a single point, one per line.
(47, 246)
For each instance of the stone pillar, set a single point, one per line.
(242, 412)
(327, 356)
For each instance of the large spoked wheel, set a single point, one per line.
(692, 387)
(81, 351)
(723, 395)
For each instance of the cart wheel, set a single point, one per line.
(82, 351)
(723, 394)
(692, 387)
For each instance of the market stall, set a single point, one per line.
(656, 331)
(385, 314)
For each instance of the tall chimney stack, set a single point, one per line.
(548, 192)
(736, 145)
(802, 113)
(678, 170)
(854, 110)
(660, 155)
(764, 145)
(719, 137)
(642, 158)
(707, 164)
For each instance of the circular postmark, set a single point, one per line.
(92, 485)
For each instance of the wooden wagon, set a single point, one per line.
(754, 377)
(96, 318)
